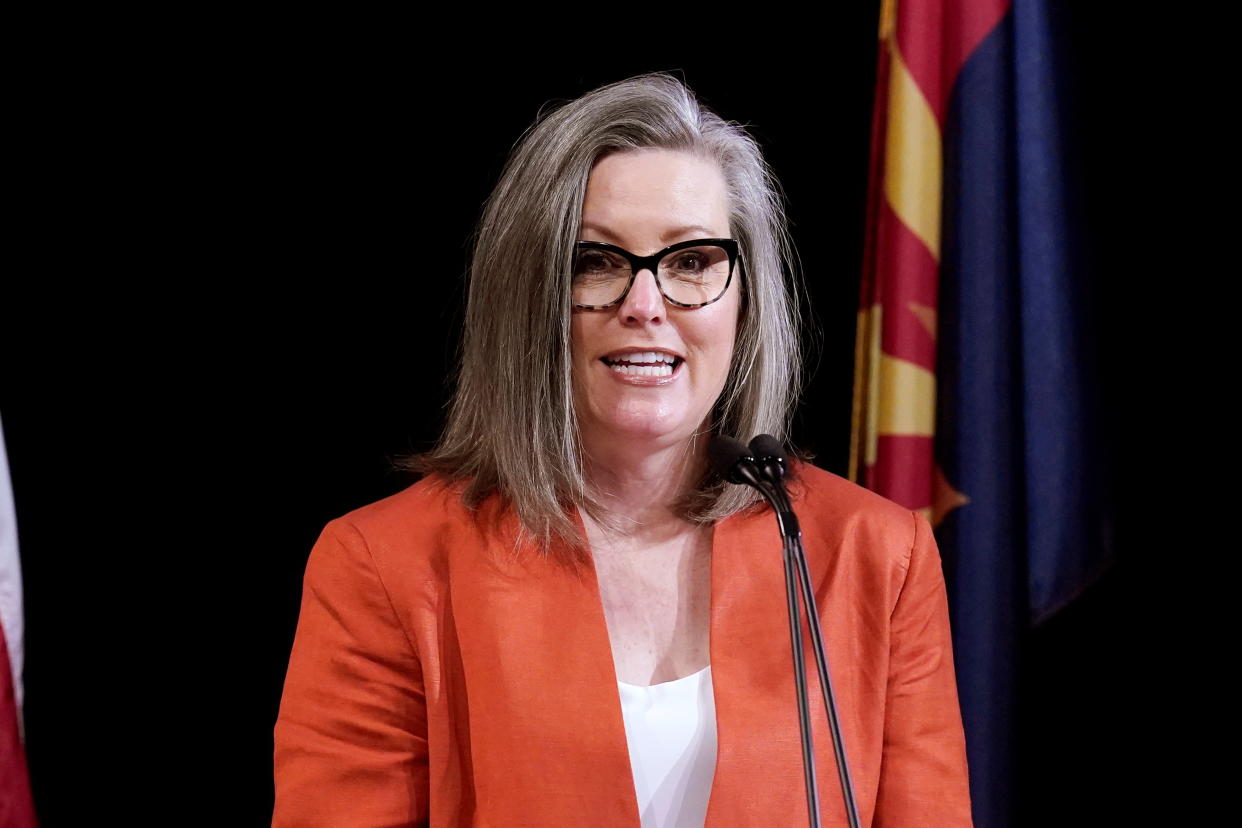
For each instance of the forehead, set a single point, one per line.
(647, 197)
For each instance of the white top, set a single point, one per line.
(671, 731)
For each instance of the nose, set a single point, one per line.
(644, 303)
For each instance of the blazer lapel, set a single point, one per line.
(758, 747)
(547, 737)
(759, 777)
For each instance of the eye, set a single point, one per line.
(597, 264)
(589, 260)
(690, 266)
(690, 262)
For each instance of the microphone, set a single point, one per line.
(762, 466)
(770, 456)
(737, 463)
(732, 460)
(763, 462)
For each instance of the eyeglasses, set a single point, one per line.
(689, 274)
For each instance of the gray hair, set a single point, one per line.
(512, 426)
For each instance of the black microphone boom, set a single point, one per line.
(762, 466)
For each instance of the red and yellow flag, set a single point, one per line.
(922, 49)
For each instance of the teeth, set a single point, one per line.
(644, 356)
(662, 370)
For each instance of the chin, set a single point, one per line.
(664, 431)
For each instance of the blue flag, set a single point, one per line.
(1019, 429)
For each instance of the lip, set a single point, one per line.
(634, 379)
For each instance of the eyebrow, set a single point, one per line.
(664, 237)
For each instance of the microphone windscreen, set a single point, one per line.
(724, 452)
(765, 445)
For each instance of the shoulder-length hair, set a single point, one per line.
(511, 427)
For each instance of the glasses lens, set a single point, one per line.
(689, 276)
(695, 275)
(599, 277)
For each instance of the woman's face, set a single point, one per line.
(643, 201)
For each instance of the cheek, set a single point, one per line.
(721, 339)
(586, 382)
(577, 347)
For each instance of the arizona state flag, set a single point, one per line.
(973, 398)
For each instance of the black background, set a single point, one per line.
(243, 302)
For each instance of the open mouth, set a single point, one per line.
(643, 363)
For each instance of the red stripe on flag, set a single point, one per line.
(906, 275)
(903, 470)
(935, 38)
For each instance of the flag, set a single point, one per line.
(16, 806)
(974, 400)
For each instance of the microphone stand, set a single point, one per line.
(766, 477)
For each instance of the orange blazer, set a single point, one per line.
(442, 675)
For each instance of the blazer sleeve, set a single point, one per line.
(351, 734)
(923, 773)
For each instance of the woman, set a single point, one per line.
(569, 620)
